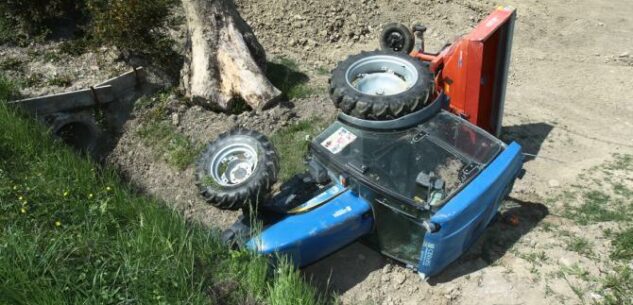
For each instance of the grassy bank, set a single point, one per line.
(72, 232)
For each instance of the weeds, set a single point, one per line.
(237, 106)
(75, 47)
(12, 64)
(130, 25)
(290, 290)
(536, 258)
(580, 245)
(618, 287)
(34, 17)
(168, 144)
(292, 145)
(51, 56)
(607, 199)
(8, 89)
(323, 70)
(155, 107)
(74, 233)
(594, 208)
(623, 245)
(7, 32)
(63, 80)
(33, 80)
(285, 75)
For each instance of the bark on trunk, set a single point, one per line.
(223, 59)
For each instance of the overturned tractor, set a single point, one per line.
(411, 166)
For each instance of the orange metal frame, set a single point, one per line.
(473, 70)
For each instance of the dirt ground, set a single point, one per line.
(569, 101)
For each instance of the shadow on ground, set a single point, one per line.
(346, 268)
(285, 75)
(497, 240)
(350, 266)
(531, 137)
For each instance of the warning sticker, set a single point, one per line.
(337, 141)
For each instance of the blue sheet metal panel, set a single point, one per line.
(319, 199)
(464, 218)
(310, 236)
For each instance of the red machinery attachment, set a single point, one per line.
(473, 71)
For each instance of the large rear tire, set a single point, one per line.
(381, 85)
(237, 169)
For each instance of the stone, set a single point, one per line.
(399, 279)
(553, 183)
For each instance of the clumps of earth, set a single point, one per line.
(329, 30)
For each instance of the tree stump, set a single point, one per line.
(223, 59)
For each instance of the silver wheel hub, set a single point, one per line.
(233, 164)
(381, 75)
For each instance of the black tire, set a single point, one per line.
(397, 38)
(79, 130)
(380, 107)
(256, 186)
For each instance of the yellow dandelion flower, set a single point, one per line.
(90, 196)
(23, 210)
(21, 198)
(58, 223)
(15, 187)
(66, 193)
(108, 188)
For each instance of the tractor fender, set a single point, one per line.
(307, 237)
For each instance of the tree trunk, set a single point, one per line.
(223, 59)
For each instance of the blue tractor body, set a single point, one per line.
(420, 189)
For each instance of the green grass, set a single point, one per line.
(323, 71)
(536, 258)
(168, 144)
(63, 80)
(292, 145)
(596, 206)
(580, 245)
(284, 73)
(12, 64)
(623, 245)
(74, 47)
(8, 89)
(8, 33)
(617, 287)
(72, 232)
(32, 80)
(605, 195)
(160, 135)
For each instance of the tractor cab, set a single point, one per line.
(407, 170)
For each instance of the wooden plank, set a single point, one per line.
(127, 83)
(66, 101)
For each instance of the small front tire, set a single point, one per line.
(397, 38)
(237, 170)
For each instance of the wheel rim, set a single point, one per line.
(233, 164)
(395, 41)
(381, 75)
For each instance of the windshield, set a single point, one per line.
(431, 160)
